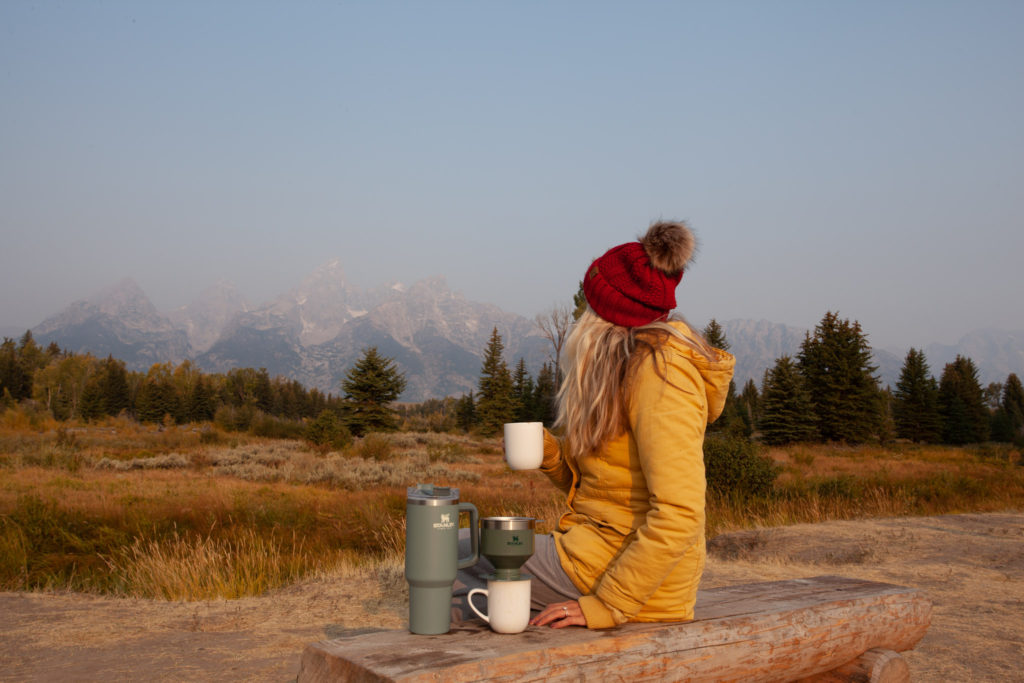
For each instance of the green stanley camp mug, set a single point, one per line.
(432, 553)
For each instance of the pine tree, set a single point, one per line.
(916, 401)
(32, 357)
(263, 391)
(785, 405)
(750, 405)
(495, 403)
(327, 431)
(545, 393)
(116, 394)
(93, 404)
(836, 365)
(961, 403)
(715, 335)
(370, 386)
(465, 412)
(731, 420)
(522, 393)
(1013, 405)
(15, 376)
(156, 399)
(201, 405)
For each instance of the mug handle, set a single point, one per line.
(469, 599)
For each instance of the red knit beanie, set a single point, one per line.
(634, 284)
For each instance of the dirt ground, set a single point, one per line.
(971, 566)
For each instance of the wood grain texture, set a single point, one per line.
(774, 631)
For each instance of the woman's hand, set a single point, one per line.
(560, 615)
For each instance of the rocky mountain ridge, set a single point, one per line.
(314, 332)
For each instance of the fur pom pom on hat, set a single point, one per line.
(634, 284)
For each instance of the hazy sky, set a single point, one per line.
(865, 157)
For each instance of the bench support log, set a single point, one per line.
(775, 631)
(874, 666)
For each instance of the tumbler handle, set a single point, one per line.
(474, 536)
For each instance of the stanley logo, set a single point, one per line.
(446, 521)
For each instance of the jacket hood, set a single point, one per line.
(715, 371)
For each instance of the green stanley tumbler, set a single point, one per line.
(432, 554)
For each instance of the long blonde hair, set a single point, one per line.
(599, 360)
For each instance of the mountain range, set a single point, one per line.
(317, 330)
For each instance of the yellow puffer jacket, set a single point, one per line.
(633, 539)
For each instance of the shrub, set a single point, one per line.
(273, 427)
(449, 451)
(327, 431)
(210, 436)
(376, 446)
(14, 553)
(735, 468)
(170, 461)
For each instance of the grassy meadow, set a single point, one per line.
(191, 512)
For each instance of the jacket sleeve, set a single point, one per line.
(667, 420)
(554, 464)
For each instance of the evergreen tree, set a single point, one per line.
(1013, 405)
(156, 399)
(370, 386)
(522, 393)
(93, 402)
(545, 393)
(785, 405)
(263, 392)
(15, 376)
(916, 401)
(731, 420)
(961, 403)
(465, 412)
(116, 395)
(327, 431)
(201, 404)
(750, 405)
(495, 403)
(836, 365)
(715, 335)
(32, 357)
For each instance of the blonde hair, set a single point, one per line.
(599, 362)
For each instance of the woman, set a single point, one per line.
(638, 391)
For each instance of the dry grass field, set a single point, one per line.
(186, 553)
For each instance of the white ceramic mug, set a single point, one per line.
(524, 445)
(508, 604)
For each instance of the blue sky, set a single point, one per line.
(865, 157)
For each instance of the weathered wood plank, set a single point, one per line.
(775, 631)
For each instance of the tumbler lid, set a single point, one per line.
(428, 494)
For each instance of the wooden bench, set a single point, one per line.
(826, 628)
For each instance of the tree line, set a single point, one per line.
(829, 392)
(70, 385)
